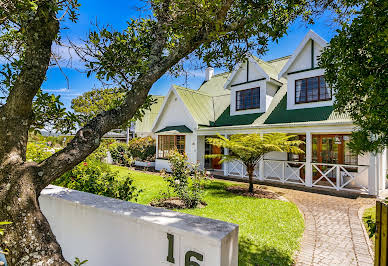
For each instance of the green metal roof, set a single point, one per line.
(180, 129)
(225, 119)
(199, 104)
(215, 86)
(148, 119)
(280, 114)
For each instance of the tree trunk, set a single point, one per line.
(250, 171)
(29, 238)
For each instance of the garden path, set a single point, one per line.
(334, 233)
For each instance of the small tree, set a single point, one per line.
(250, 149)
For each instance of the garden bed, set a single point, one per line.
(174, 203)
(258, 192)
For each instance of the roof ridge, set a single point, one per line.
(193, 91)
(278, 59)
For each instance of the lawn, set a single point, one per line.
(270, 230)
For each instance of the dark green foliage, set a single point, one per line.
(95, 177)
(142, 149)
(371, 223)
(356, 63)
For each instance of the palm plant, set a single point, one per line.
(250, 148)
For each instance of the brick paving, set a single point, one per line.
(334, 233)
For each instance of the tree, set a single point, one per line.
(251, 148)
(356, 63)
(91, 103)
(217, 31)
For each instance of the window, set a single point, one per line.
(311, 90)
(168, 143)
(248, 99)
(333, 149)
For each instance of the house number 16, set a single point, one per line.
(189, 254)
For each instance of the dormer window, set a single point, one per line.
(311, 90)
(248, 99)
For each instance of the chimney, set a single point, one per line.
(209, 73)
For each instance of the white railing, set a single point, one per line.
(236, 168)
(339, 176)
(324, 175)
(284, 171)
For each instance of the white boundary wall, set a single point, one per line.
(108, 231)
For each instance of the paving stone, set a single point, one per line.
(333, 234)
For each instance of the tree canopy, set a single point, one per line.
(356, 63)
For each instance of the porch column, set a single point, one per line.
(261, 165)
(372, 174)
(308, 166)
(225, 164)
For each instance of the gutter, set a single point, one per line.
(283, 125)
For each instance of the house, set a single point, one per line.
(143, 127)
(288, 95)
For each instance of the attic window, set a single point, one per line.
(248, 99)
(311, 90)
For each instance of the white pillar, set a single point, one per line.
(309, 156)
(372, 175)
(225, 164)
(384, 170)
(127, 139)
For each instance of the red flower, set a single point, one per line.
(85, 163)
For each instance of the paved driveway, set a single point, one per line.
(334, 234)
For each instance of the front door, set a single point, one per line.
(216, 161)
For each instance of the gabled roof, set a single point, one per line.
(146, 123)
(311, 35)
(200, 105)
(178, 129)
(267, 70)
(280, 114)
(215, 86)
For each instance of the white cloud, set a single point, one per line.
(56, 90)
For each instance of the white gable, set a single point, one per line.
(306, 55)
(174, 113)
(244, 73)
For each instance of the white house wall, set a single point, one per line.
(175, 113)
(303, 60)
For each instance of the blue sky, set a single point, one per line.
(116, 13)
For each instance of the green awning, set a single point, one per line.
(180, 129)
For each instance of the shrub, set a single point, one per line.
(186, 179)
(142, 149)
(120, 154)
(96, 177)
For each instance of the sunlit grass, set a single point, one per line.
(269, 230)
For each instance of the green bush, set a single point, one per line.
(142, 149)
(186, 179)
(37, 152)
(96, 177)
(120, 154)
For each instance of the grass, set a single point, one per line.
(369, 213)
(270, 230)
